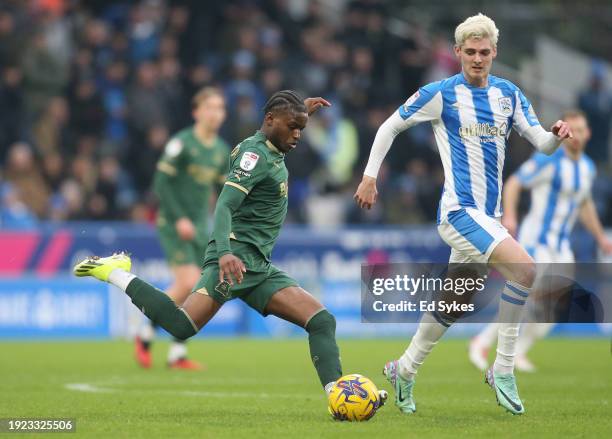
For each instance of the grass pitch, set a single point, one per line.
(268, 388)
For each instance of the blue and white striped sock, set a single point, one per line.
(513, 298)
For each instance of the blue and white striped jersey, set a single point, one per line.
(471, 126)
(559, 185)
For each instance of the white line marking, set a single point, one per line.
(86, 387)
(92, 388)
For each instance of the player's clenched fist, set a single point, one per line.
(366, 194)
(230, 268)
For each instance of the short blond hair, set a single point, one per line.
(205, 93)
(478, 26)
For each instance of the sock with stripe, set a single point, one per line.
(511, 306)
(431, 328)
(155, 304)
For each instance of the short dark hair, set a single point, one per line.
(285, 100)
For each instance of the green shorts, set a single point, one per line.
(259, 284)
(179, 251)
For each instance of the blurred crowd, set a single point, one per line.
(91, 91)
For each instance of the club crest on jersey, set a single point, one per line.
(249, 160)
(505, 105)
(411, 100)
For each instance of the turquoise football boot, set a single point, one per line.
(506, 392)
(402, 387)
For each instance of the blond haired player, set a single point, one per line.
(471, 114)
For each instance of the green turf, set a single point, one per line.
(268, 388)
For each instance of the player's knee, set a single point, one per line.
(526, 274)
(181, 326)
(182, 332)
(322, 321)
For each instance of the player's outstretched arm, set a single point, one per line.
(230, 267)
(367, 194)
(548, 141)
(313, 104)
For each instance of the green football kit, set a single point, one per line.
(185, 178)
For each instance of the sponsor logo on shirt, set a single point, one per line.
(483, 130)
(249, 160)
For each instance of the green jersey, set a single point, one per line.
(258, 179)
(186, 174)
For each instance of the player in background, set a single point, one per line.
(248, 217)
(195, 162)
(471, 114)
(560, 187)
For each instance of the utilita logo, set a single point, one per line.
(483, 130)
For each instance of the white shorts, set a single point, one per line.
(472, 235)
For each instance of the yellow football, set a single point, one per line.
(353, 398)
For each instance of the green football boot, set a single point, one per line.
(100, 268)
(506, 392)
(402, 387)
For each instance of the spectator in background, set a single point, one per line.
(87, 111)
(44, 76)
(25, 177)
(11, 108)
(335, 139)
(146, 101)
(596, 102)
(145, 161)
(114, 98)
(14, 213)
(51, 132)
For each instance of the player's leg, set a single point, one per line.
(518, 268)
(186, 276)
(155, 304)
(297, 306)
(401, 373)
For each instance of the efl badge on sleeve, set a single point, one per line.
(248, 160)
(411, 100)
(173, 148)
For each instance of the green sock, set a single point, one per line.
(161, 309)
(323, 348)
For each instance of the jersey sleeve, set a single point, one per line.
(423, 106)
(248, 166)
(224, 165)
(524, 116)
(168, 167)
(538, 169)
